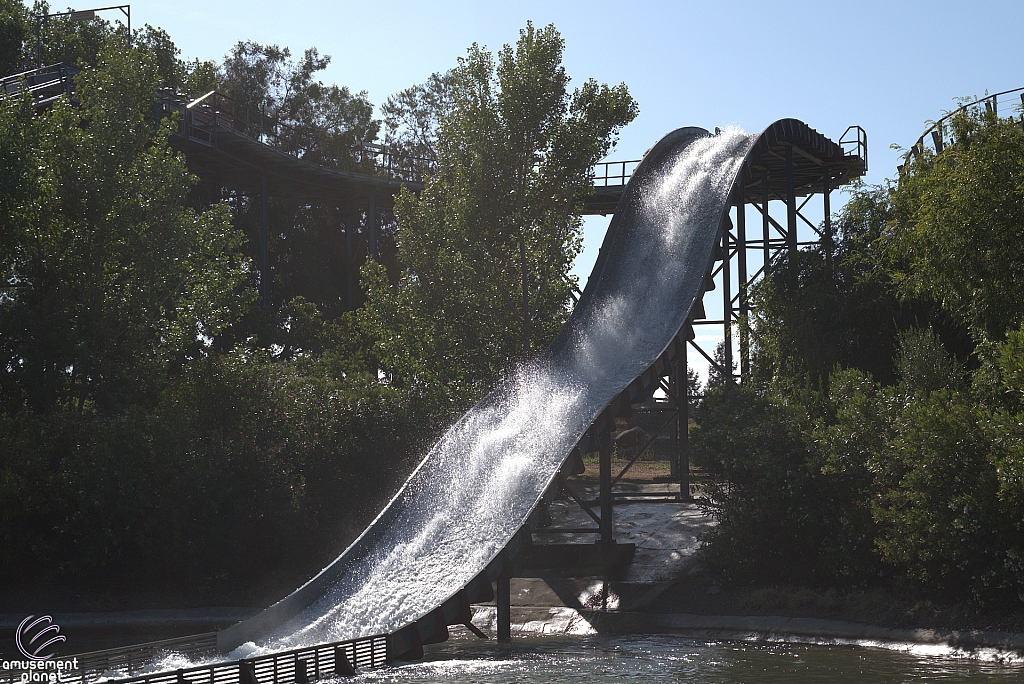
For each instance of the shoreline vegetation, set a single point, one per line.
(166, 439)
(878, 441)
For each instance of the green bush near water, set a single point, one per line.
(242, 467)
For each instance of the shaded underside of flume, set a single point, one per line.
(472, 503)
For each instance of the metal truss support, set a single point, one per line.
(766, 221)
(744, 281)
(735, 276)
(827, 238)
(605, 450)
(350, 260)
(371, 226)
(264, 240)
(683, 421)
(727, 304)
(503, 599)
(673, 395)
(791, 209)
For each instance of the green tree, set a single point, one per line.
(412, 118)
(782, 516)
(489, 242)
(14, 32)
(110, 276)
(722, 371)
(77, 43)
(958, 223)
(942, 527)
(325, 121)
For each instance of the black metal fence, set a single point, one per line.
(298, 666)
(46, 84)
(854, 143)
(613, 173)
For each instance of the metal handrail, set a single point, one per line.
(858, 138)
(39, 81)
(204, 115)
(991, 104)
(604, 173)
(30, 72)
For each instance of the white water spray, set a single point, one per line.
(478, 485)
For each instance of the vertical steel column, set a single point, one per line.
(371, 226)
(503, 598)
(826, 200)
(673, 394)
(741, 253)
(727, 301)
(791, 240)
(684, 422)
(350, 276)
(605, 446)
(264, 239)
(765, 222)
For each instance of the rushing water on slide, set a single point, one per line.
(481, 480)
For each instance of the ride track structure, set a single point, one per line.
(934, 140)
(786, 162)
(241, 148)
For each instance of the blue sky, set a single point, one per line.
(887, 66)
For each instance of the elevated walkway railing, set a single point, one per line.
(614, 173)
(46, 84)
(202, 119)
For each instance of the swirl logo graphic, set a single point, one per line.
(41, 630)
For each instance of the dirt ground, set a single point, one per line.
(641, 472)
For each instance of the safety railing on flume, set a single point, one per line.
(854, 142)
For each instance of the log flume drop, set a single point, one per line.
(477, 486)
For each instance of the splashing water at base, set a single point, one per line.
(477, 486)
(676, 659)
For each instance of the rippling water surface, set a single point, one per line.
(675, 659)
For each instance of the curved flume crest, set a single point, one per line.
(478, 485)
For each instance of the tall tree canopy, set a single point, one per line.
(489, 242)
(958, 224)
(106, 269)
(326, 121)
(413, 116)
